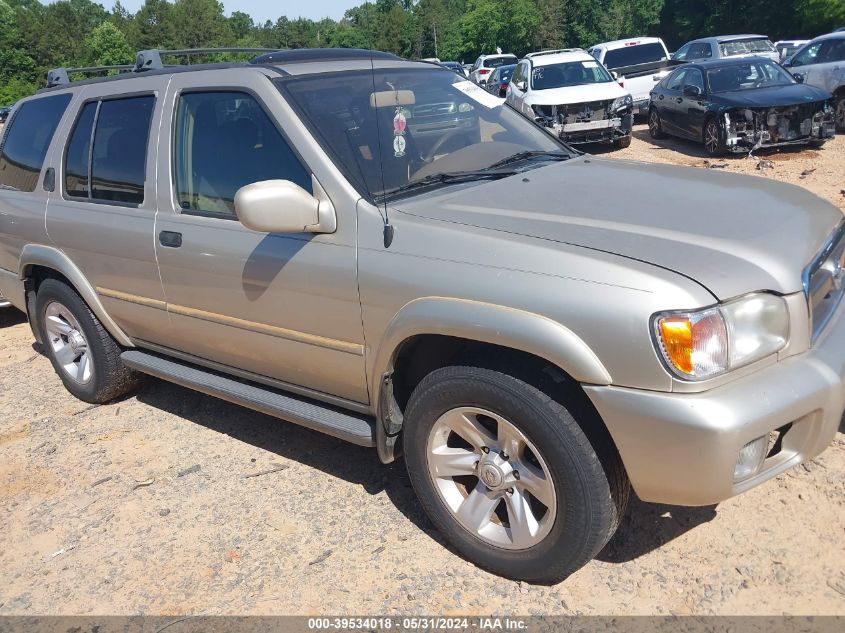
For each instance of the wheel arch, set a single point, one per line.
(39, 262)
(433, 332)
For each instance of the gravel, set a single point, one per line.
(172, 502)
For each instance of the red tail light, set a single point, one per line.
(484, 71)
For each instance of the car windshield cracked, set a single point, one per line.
(393, 131)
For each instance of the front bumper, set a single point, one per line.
(595, 131)
(682, 449)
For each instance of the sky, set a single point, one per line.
(262, 10)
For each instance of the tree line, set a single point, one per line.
(36, 37)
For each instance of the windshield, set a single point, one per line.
(387, 128)
(495, 62)
(635, 54)
(568, 74)
(744, 47)
(755, 73)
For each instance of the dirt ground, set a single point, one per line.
(157, 504)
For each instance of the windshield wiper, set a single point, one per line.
(446, 178)
(521, 156)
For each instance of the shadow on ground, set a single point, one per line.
(11, 316)
(644, 528)
(648, 526)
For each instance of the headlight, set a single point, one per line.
(465, 107)
(622, 102)
(705, 343)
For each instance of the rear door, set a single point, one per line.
(670, 102)
(283, 307)
(102, 211)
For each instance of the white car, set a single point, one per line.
(787, 48)
(638, 63)
(485, 64)
(821, 63)
(727, 46)
(574, 96)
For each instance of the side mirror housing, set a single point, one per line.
(692, 91)
(281, 206)
(798, 77)
(521, 86)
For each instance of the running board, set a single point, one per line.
(351, 427)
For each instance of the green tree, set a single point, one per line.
(107, 46)
(201, 23)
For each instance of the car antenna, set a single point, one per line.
(388, 227)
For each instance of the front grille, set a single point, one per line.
(824, 282)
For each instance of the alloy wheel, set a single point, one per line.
(711, 138)
(68, 343)
(654, 123)
(492, 478)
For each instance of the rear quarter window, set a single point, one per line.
(25, 143)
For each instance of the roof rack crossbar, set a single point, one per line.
(151, 59)
(60, 76)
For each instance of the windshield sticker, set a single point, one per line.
(400, 124)
(478, 94)
(589, 64)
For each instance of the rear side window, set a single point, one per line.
(112, 166)
(635, 55)
(225, 140)
(27, 139)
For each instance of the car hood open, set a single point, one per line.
(733, 234)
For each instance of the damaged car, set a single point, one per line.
(739, 106)
(574, 96)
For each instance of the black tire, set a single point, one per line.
(592, 481)
(717, 148)
(839, 112)
(655, 125)
(622, 143)
(109, 377)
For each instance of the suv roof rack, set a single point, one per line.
(151, 59)
(60, 76)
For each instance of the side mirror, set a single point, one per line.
(280, 206)
(521, 86)
(798, 77)
(692, 91)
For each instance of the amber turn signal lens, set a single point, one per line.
(676, 336)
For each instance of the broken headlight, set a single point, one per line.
(701, 344)
(622, 103)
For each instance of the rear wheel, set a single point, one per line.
(508, 476)
(82, 352)
(655, 125)
(714, 142)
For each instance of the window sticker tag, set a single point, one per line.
(590, 64)
(400, 124)
(478, 94)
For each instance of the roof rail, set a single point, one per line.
(151, 59)
(554, 52)
(60, 76)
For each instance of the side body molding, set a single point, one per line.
(490, 323)
(49, 257)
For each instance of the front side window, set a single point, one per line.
(25, 144)
(807, 55)
(676, 80)
(568, 74)
(223, 141)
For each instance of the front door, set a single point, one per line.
(284, 307)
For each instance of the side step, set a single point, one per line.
(354, 428)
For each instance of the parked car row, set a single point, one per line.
(729, 92)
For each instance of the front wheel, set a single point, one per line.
(714, 142)
(839, 114)
(508, 476)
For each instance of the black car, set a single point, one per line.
(740, 105)
(499, 80)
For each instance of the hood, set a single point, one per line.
(577, 94)
(732, 234)
(773, 97)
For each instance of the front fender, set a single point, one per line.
(54, 259)
(488, 323)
